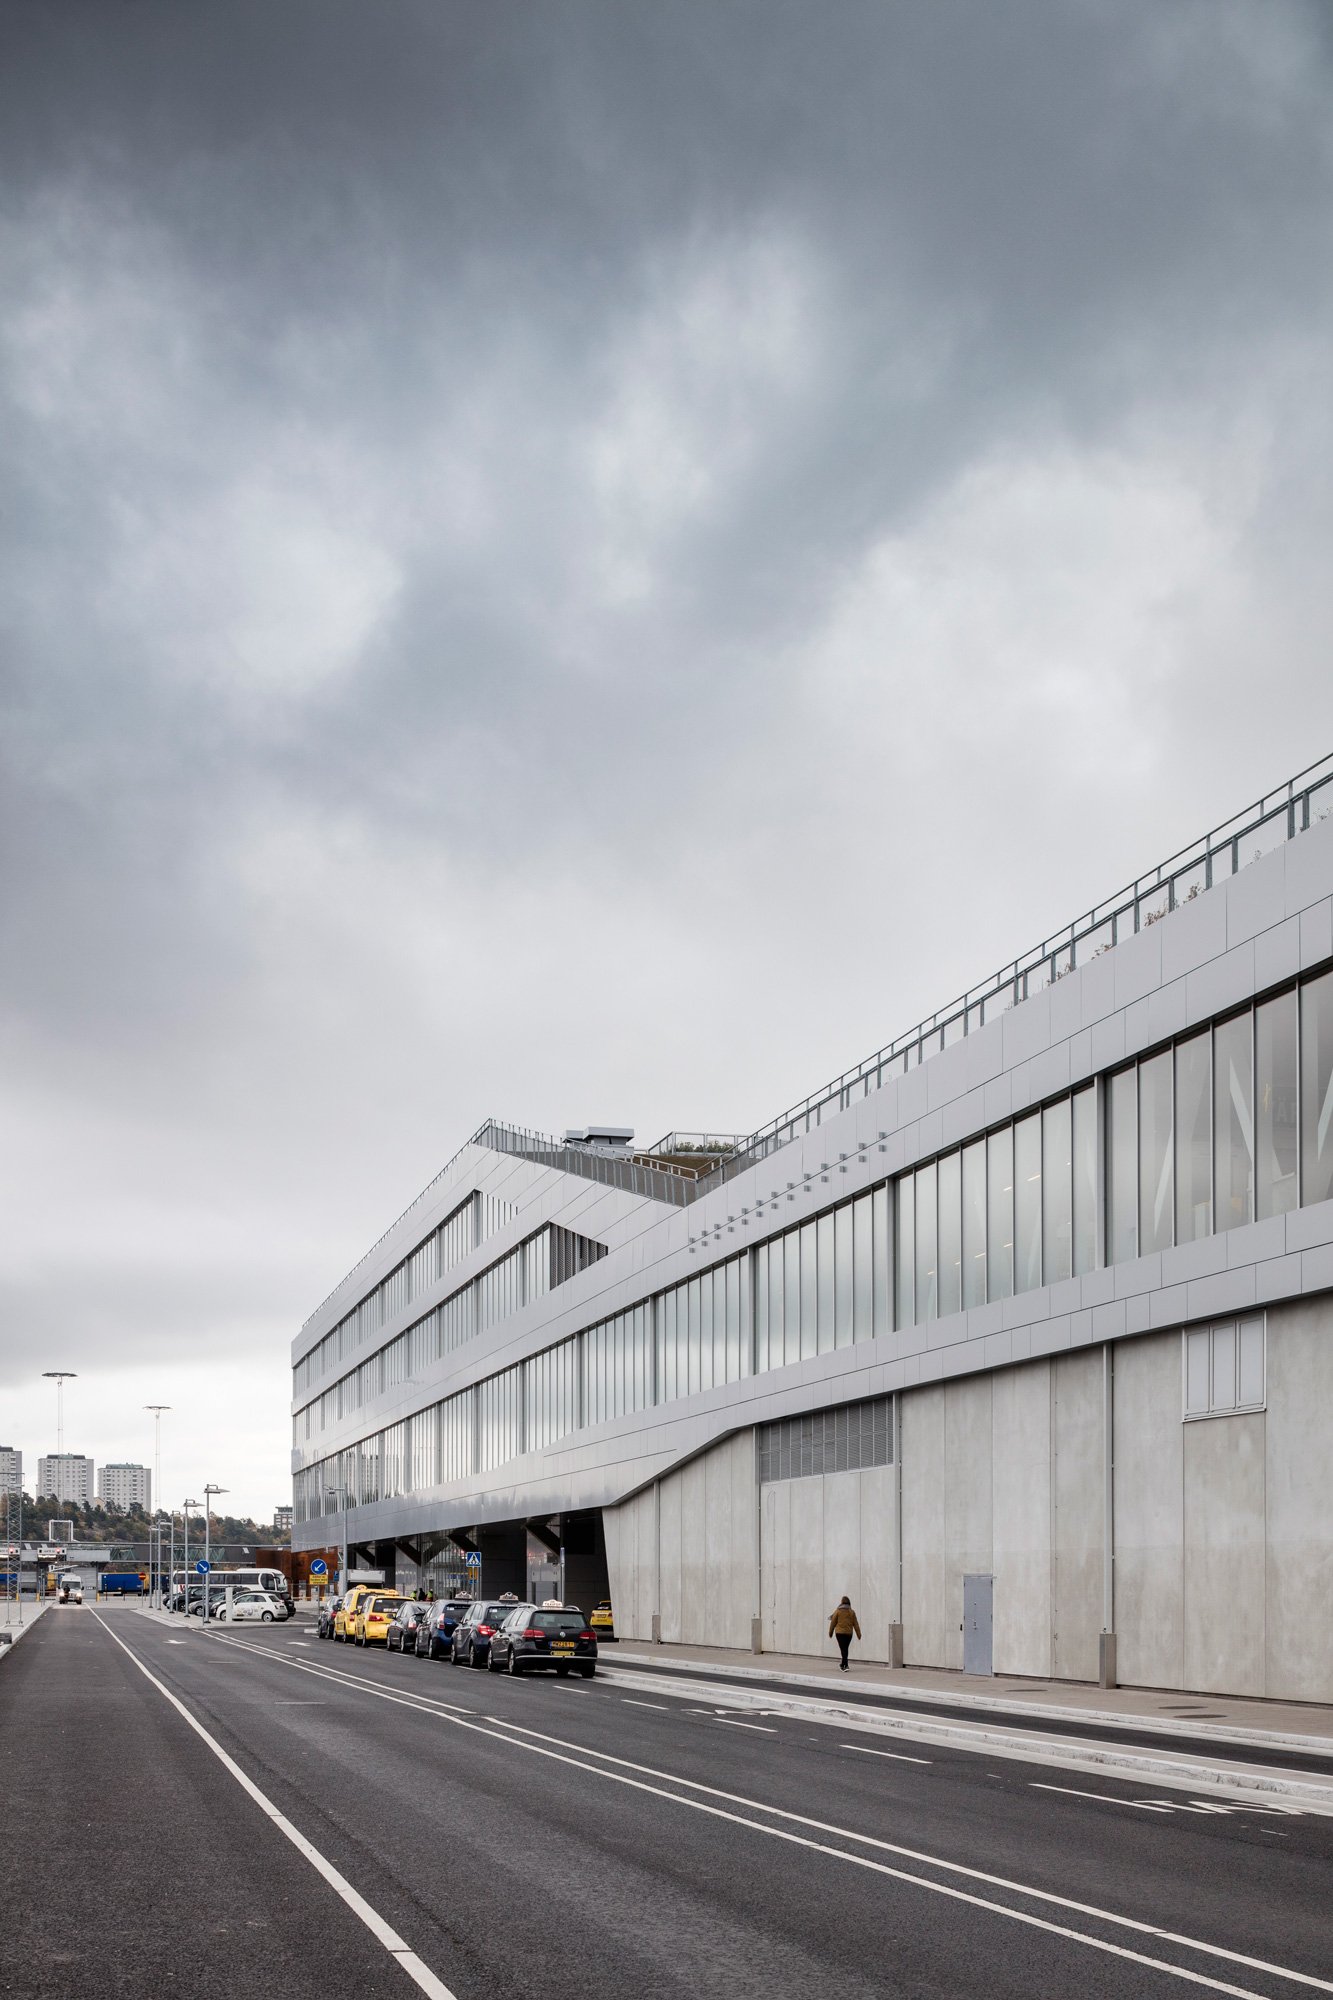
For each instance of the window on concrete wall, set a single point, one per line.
(1194, 1138)
(1224, 1367)
(904, 1238)
(702, 1331)
(499, 1418)
(927, 1250)
(1027, 1204)
(1057, 1191)
(949, 1223)
(618, 1365)
(1000, 1214)
(841, 1440)
(1122, 1167)
(1275, 1104)
(552, 1393)
(1156, 1198)
(974, 1224)
(455, 1453)
(1317, 1090)
(1085, 1179)
(1233, 1120)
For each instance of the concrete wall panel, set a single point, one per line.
(1224, 1554)
(1077, 1507)
(1149, 1511)
(925, 1615)
(1021, 1498)
(1298, 1484)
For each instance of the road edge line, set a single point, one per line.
(383, 1932)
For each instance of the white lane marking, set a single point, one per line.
(361, 1684)
(1106, 1798)
(382, 1932)
(896, 1755)
(1093, 1756)
(630, 1702)
(730, 1722)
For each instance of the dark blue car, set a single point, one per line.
(435, 1634)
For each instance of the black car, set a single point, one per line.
(401, 1636)
(537, 1636)
(435, 1636)
(471, 1645)
(328, 1607)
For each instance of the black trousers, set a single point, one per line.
(844, 1640)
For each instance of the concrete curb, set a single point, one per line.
(1104, 1718)
(17, 1631)
(1032, 1747)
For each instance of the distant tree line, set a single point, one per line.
(100, 1522)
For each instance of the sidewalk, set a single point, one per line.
(11, 1631)
(1218, 1717)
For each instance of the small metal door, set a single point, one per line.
(977, 1604)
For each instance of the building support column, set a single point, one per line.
(1106, 1661)
(895, 1651)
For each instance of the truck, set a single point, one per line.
(123, 1582)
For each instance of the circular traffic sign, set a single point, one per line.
(202, 1568)
(319, 1567)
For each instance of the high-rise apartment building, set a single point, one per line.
(11, 1469)
(125, 1485)
(66, 1475)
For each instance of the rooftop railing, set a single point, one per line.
(1276, 817)
(660, 1179)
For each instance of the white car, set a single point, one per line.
(251, 1604)
(69, 1588)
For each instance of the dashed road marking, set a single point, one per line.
(1105, 1798)
(896, 1755)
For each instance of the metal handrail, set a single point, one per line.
(661, 1179)
(1279, 815)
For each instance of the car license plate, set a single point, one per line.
(563, 1646)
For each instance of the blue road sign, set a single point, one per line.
(202, 1568)
(319, 1567)
(472, 1558)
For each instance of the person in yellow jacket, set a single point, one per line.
(842, 1624)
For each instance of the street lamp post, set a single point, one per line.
(60, 1376)
(185, 1559)
(339, 1493)
(209, 1491)
(156, 1409)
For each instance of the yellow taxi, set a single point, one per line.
(343, 1616)
(602, 1622)
(374, 1615)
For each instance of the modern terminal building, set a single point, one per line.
(1020, 1333)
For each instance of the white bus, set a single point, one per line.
(252, 1577)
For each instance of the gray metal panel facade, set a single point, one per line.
(1262, 929)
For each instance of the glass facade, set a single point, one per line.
(1231, 1125)
(547, 1258)
(842, 1264)
(1003, 1214)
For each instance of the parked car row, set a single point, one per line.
(247, 1604)
(503, 1634)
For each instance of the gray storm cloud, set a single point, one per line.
(581, 562)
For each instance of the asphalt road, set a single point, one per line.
(460, 1832)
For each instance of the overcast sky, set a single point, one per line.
(594, 562)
